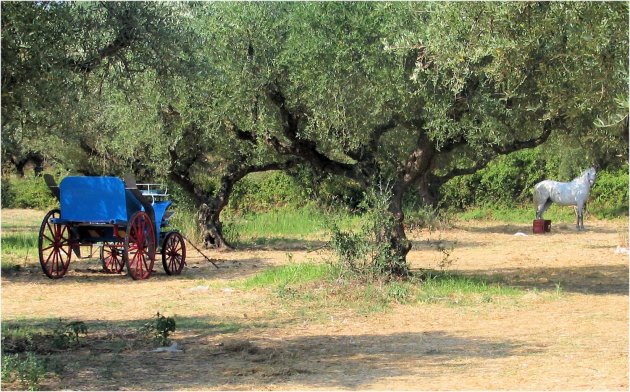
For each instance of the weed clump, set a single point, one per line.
(26, 353)
(160, 328)
(27, 370)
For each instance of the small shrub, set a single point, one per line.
(399, 292)
(67, 335)
(369, 253)
(160, 328)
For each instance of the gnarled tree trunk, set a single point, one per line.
(210, 206)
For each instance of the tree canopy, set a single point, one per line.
(402, 94)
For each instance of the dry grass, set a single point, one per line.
(240, 338)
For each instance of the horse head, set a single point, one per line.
(591, 175)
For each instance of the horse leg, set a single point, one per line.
(542, 207)
(579, 211)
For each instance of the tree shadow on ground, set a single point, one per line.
(286, 244)
(437, 244)
(556, 228)
(91, 272)
(593, 279)
(214, 357)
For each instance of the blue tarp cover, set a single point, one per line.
(96, 200)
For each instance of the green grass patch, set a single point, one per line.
(281, 222)
(291, 274)
(185, 220)
(462, 289)
(205, 324)
(516, 214)
(288, 223)
(17, 248)
(313, 291)
(19, 243)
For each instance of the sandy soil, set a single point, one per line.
(233, 339)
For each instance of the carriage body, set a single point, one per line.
(128, 222)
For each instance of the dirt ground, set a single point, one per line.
(243, 340)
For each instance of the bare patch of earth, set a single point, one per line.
(575, 339)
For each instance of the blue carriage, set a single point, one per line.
(128, 221)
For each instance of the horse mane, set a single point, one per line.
(584, 173)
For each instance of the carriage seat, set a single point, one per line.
(52, 185)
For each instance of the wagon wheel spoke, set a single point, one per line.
(50, 229)
(136, 263)
(55, 264)
(144, 262)
(48, 247)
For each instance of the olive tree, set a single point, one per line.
(414, 94)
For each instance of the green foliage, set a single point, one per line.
(290, 222)
(264, 191)
(368, 253)
(185, 220)
(22, 348)
(517, 214)
(610, 192)
(143, 86)
(27, 192)
(17, 245)
(320, 287)
(6, 198)
(27, 369)
(506, 181)
(160, 328)
(328, 190)
(66, 335)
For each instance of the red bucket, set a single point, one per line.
(541, 226)
(538, 226)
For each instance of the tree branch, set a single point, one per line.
(125, 36)
(548, 126)
(367, 151)
(531, 143)
(300, 147)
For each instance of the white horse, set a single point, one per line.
(574, 193)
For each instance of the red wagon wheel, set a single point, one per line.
(139, 249)
(173, 253)
(112, 257)
(55, 246)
